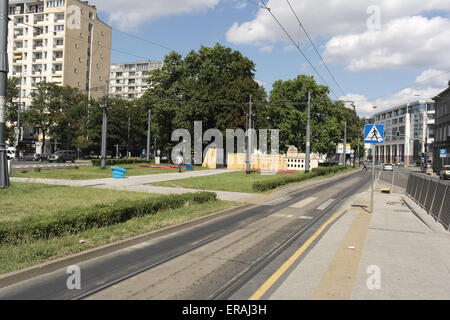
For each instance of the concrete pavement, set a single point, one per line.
(391, 255)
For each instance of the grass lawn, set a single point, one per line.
(16, 257)
(233, 181)
(237, 181)
(90, 172)
(25, 199)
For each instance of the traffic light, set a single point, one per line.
(398, 135)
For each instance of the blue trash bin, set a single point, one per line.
(118, 172)
(189, 167)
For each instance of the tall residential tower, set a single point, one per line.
(59, 41)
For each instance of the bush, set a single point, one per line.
(77, 220)
(113, 162)
(276, 182)
(37, 169)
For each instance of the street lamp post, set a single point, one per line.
(4, 174)
(128, 133)
(104, 128)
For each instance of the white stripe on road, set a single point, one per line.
(305, 218)
(326, 205)
(277, 201)
(303, 203)
(283, 215)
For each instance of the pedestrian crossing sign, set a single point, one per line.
(374, 133)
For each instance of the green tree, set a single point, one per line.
(212, 85)
(71, 122)
(287, 111)
(46, 108)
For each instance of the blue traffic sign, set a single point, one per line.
(443, 153)
(374, 133)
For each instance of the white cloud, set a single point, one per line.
(433, 78)
(331, 17)
(130, 14)
(266, 49)
(412, 42)
(406, 39)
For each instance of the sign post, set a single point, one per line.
(374, 134)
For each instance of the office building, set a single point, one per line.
(409, 133)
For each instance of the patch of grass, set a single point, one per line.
(90, 172)
(234, 181)
(22, 200)
(16, 257)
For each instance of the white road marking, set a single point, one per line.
(326, 204)
(305, 218)
(277, 201)
(283, 215)
(303, 203)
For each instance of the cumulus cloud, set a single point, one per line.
(130, 14)
(411, 42)
(331, 17)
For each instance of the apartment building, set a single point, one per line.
(409, 133)
(58, 41)
(129, 80)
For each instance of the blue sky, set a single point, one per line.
(382, 52)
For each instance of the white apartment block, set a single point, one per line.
(129, 80)
(58, 41)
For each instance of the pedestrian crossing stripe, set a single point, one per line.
(374, 134)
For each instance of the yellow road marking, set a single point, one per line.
(270, 282)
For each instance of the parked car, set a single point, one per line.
(445, 173)
(31, 156)
(388, 167)
(63, 156)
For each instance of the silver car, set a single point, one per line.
(388, 167)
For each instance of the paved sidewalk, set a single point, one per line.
(391, 255)
(140, 184)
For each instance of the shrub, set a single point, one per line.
(262, 186)
(77, 220)
(37, 169)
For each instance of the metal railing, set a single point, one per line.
(432, 195)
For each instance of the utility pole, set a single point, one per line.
(149, 134)
(308, 136)
(249, 138)
(359, 134)
(19, 131)
(128, 134)
(104, 127)
(4, 174)
(344, 157)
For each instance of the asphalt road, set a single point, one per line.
(196, 262)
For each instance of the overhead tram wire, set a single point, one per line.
(298, 47)
(315, 48)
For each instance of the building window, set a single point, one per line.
(80, 59)
(76, 70)
(77, 46)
